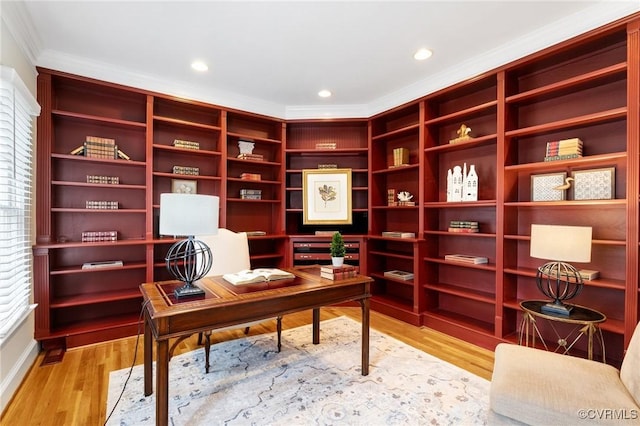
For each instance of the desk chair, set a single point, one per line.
(230, 252)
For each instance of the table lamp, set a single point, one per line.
(188, 215)
(557, 279)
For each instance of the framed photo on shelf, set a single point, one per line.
(183, 186)
(326, 196)
(594, 184)
(544, 187)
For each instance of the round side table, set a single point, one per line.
(587, 323)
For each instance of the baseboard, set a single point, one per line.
(16, 375)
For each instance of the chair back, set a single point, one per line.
(230, 251)
(629, 371)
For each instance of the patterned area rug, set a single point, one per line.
(250, 383)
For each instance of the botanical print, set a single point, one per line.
(327, 194)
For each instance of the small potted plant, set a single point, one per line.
(337, 250)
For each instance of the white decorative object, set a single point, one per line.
(246, 147)
(543, 187)
(404, 196)
(470, 187)
(457, 183)
(449, 185)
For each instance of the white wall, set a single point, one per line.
(19, 351)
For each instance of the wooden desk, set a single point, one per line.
(225, 304)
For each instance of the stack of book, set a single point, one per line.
(179, 143)
(186, 170)
(96, 147)
(563, 150)
(111, 180)
(251, 176)
(338, 272)
(465, 258)
(104, 264)
(400, 157)
(253, 157)
(255, 233)
(251, 194)
(398, 234)
(463, 226)
(399, 275)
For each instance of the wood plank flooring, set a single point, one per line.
(74, 391)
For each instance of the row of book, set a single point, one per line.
(326, 145)
(563, 150)
(99, 236)
(338, 272)
(186, 170)
(464, 226)
(179, 143)
(400, 157)
(101, 205)
(251, 194)
(250, 176)
(111, 180)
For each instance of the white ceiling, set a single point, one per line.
(273, 57)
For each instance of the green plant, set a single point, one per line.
(337, 245)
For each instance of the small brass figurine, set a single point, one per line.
(464, 134)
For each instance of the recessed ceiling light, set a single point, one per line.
(422, 54)
(324, 93)
(199, 66)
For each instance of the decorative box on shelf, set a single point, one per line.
(327, 166)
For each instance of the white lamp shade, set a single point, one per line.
(188, 214)
(561, 243)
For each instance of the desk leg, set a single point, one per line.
(316, 326)
(364, 303)
(148, 358)
(162, 382)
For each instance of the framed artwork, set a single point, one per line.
(548, 187)
(326, 196)
(594, 184)
(183, 186)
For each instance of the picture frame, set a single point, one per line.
(183, 186)
(594, 184)
(326, 196)
(543, 187)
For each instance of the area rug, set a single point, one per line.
(250, 383)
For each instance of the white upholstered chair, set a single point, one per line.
(537, 387)
(230, 253)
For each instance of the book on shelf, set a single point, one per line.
(251, 176)
(338, 272)
(587, 274)
(563, 150)
(325, 233)
(103, 264)
(463, 226)
(463, 230)
(400, 157)
(465, 258)
(562, 157)
(255, 233)
(249, 276)
(398, 234)
(123, 155)
(400, 275)
(254, 157)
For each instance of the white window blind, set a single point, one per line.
(17, 109)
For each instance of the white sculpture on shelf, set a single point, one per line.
(404, 196)
(462, 186)
(246, 147)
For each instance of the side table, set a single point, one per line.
(586, 322)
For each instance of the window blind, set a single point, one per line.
(17, 109)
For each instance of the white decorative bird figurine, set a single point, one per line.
(566, 185)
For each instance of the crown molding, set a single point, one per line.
(18, 21)
(599, 14)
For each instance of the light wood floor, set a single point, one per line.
(74, 391)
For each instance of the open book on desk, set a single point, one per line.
(259, 275)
